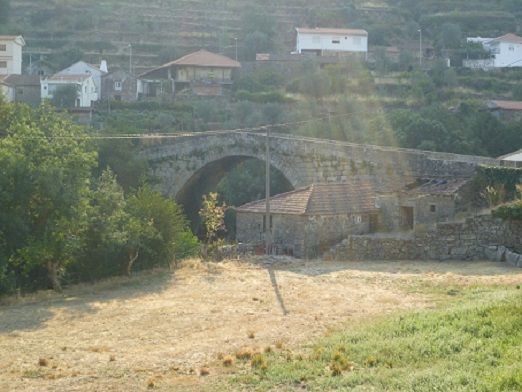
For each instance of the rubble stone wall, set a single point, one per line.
(481, 237)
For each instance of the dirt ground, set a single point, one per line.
(161, 328)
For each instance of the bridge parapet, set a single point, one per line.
(182, 159)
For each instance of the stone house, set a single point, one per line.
(200, 73)
(118, 86)
(421, 204)
(21, 88)
(307, 221)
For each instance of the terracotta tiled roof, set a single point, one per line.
(319, 30)
(201, 58)
(204, 58)
(511, 38)
(320, 199)
(438, 186)
(22, 80)
(506, 105)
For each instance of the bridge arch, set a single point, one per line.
(206, 179)
(180, 164)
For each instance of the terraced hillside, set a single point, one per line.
(161, 29)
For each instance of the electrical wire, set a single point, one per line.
(174, 135)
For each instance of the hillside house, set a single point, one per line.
(83, 68)
(307, 221)
(328, 41)
(11, 54)
(507, 110)
(22, 89)
(118, 86)
(84, 84)
(200, 73)
(506, 52)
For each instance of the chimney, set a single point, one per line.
(103, 66)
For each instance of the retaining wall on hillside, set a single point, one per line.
(481, 237)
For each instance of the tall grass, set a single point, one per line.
(475, 345)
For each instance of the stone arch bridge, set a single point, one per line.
(183, 162)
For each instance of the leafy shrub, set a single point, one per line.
(262, 97)
(510, 211)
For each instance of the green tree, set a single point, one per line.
(158, 230)
(106, 231)
(122, 158)
(213, 217)
(259, 29)
(65, 96)
(46, 167)
(449, 36)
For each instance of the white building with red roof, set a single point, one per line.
(323, 41)
(506, 52)
(84, 84)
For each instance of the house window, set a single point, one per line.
(3, 64)
(357, 219)
(336, 41)
(433, 208)
(3, 48)
(118, 86)
(512, 48)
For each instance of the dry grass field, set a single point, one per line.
(173, 330)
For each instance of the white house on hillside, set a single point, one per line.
(11, 54)
(325, 40)
(506, 52)
(83, 68)
(84, 84)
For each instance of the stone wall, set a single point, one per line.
(428, 209)
(324, 231)
(288, 231)
(476, 238)
(300, 235)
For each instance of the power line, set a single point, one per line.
(172, 135)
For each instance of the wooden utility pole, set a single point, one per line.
(268, 232)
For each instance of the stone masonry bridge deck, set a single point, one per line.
(183, 161)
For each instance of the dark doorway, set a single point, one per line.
(406, 218)
(374, 223)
